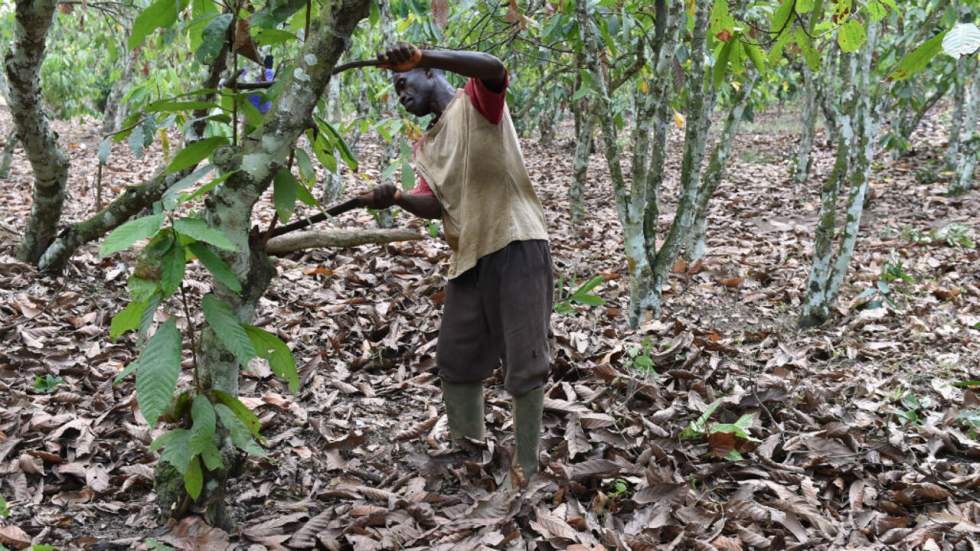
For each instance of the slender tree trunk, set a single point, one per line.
(580, 165)
(857, 139)
(969, 149)
(229, 208)
(695, 247)
(115, 109)
(809, 125)
(959, 111)
(48, 160)
(7, 154)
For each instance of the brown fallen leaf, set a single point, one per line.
(14, 537)
(917, 494)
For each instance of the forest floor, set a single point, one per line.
(863, 431)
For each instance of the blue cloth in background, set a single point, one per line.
(256, 99)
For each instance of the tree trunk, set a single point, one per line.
(970, 147)
(857, 138)
(583, 143)
(809, 125)
(115, 109)
(959, 112)
(695, 247)
(48, 160)
(7, 155)
(229, 208)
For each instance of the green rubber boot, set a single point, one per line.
(464, 407)
(527, 429)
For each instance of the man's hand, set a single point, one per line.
(381, 197)
(401, 57)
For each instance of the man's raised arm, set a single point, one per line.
(479, 65)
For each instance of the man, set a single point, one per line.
(499, 295)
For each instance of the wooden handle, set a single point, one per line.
(335, 210)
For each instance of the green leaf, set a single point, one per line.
(175, 448)
(851, 36)
(135, 141)
(720, 19)
(159, 366)
(206, 188)
(306, 170)
(324, 153)
(195, 153)
(171, 197)
(174, 106)
(218, 268)
(199, 230)
(809, 54)
(780, 22)
(160, 14)
(721, 63)
(804, 6)
(172, 269)
(194, 478)
(272, 37)
(757, 56)
(917, 59)
(129, 233)
(241, 437)
(698, 428)
(212, 39)
(241, 411)
(776, 51)
(345, 153)
(284, 194)
(202, 432)
(280, 358)
(4, 511)
(128, 319)
(227, 328)
(252, 115)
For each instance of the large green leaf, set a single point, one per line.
(212, 39)
(195, 153)
(851, 36)
(721, 62)
(228, 329)
(218, 268)
(176, 448)
(173, 196)
(280, 358)
(199, 230)
(172, 269)
(241, 411)
(241, 437)
(194, 478)
(160, 14)
(159, 366)
(128, 319)
(917, 59)
(125, 235)
(284, 194)
(338, 141)
(202, 432)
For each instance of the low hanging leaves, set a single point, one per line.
(227, 328)
(212, 39)
(918, 58)
(280, 358)
(195, 153)
(156, 376)
(129, 233)
(218, 268)
(199, 230)
(158, 15)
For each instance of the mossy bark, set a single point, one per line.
(48, 159)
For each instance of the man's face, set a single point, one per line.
(415, 89)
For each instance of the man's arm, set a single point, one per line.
(386, 195)
(423, 206)
(479, 65)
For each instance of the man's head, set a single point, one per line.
(417, 89)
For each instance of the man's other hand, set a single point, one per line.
(401, 57)
(381, 197)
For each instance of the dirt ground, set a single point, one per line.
(862, 433)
